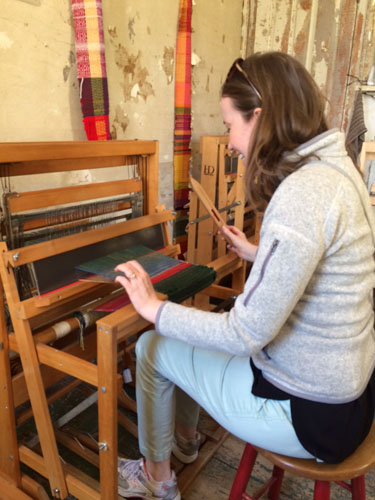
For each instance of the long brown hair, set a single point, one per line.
(292, 113)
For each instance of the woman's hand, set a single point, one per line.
(138, 286)
(239, 244)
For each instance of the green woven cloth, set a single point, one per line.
(154, 263)
(186, 283)
(178, 287)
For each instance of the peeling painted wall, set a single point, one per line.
(38, 85)
(140, 51)
(216, 43)
(40, 96)
(332, 38)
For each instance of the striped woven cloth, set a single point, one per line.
(91, 69)
(182, 131)
(185, 283)
(177, 279)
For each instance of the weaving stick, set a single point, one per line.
(208, 205)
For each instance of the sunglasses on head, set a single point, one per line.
(236, 66)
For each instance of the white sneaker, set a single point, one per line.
(135, 481)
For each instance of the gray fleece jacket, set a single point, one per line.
(305, 316)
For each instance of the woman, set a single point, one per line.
(291, 367)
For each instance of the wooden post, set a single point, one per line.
(34, 382)
(208, 179)
(107, 409)
(152, 181)
(9, 460)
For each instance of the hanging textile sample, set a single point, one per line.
(91, 69)
(182, 130)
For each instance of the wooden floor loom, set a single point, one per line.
(36, 318)
(222, 177)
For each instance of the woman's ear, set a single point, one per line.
(257, 112)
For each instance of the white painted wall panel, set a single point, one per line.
(332, 38)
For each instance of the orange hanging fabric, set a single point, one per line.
(182, 130)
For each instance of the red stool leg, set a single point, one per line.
(322, 490)
(274, 491)
(243, 473)
(358, 488)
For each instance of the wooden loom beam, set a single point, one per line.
(49, 375)
(11, 491)
(9, 460)
(17, 152)
(75, 295)
(72, 194)
(33, 488)
(68, 364)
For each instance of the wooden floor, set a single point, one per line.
(215, 481)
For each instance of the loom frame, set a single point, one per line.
(223, 189)
(40, 360)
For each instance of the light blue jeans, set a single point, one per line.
(218, 382)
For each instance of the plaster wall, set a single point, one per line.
(216, 43)
(38, 84)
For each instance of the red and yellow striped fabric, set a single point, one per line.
(182, 131)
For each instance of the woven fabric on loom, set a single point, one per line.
(91, 68)
(180, 286)
(182, 132)
(177, 279)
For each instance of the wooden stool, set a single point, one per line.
(351, 469)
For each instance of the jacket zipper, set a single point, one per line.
(262, 271)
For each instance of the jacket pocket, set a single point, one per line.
(271, 251)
